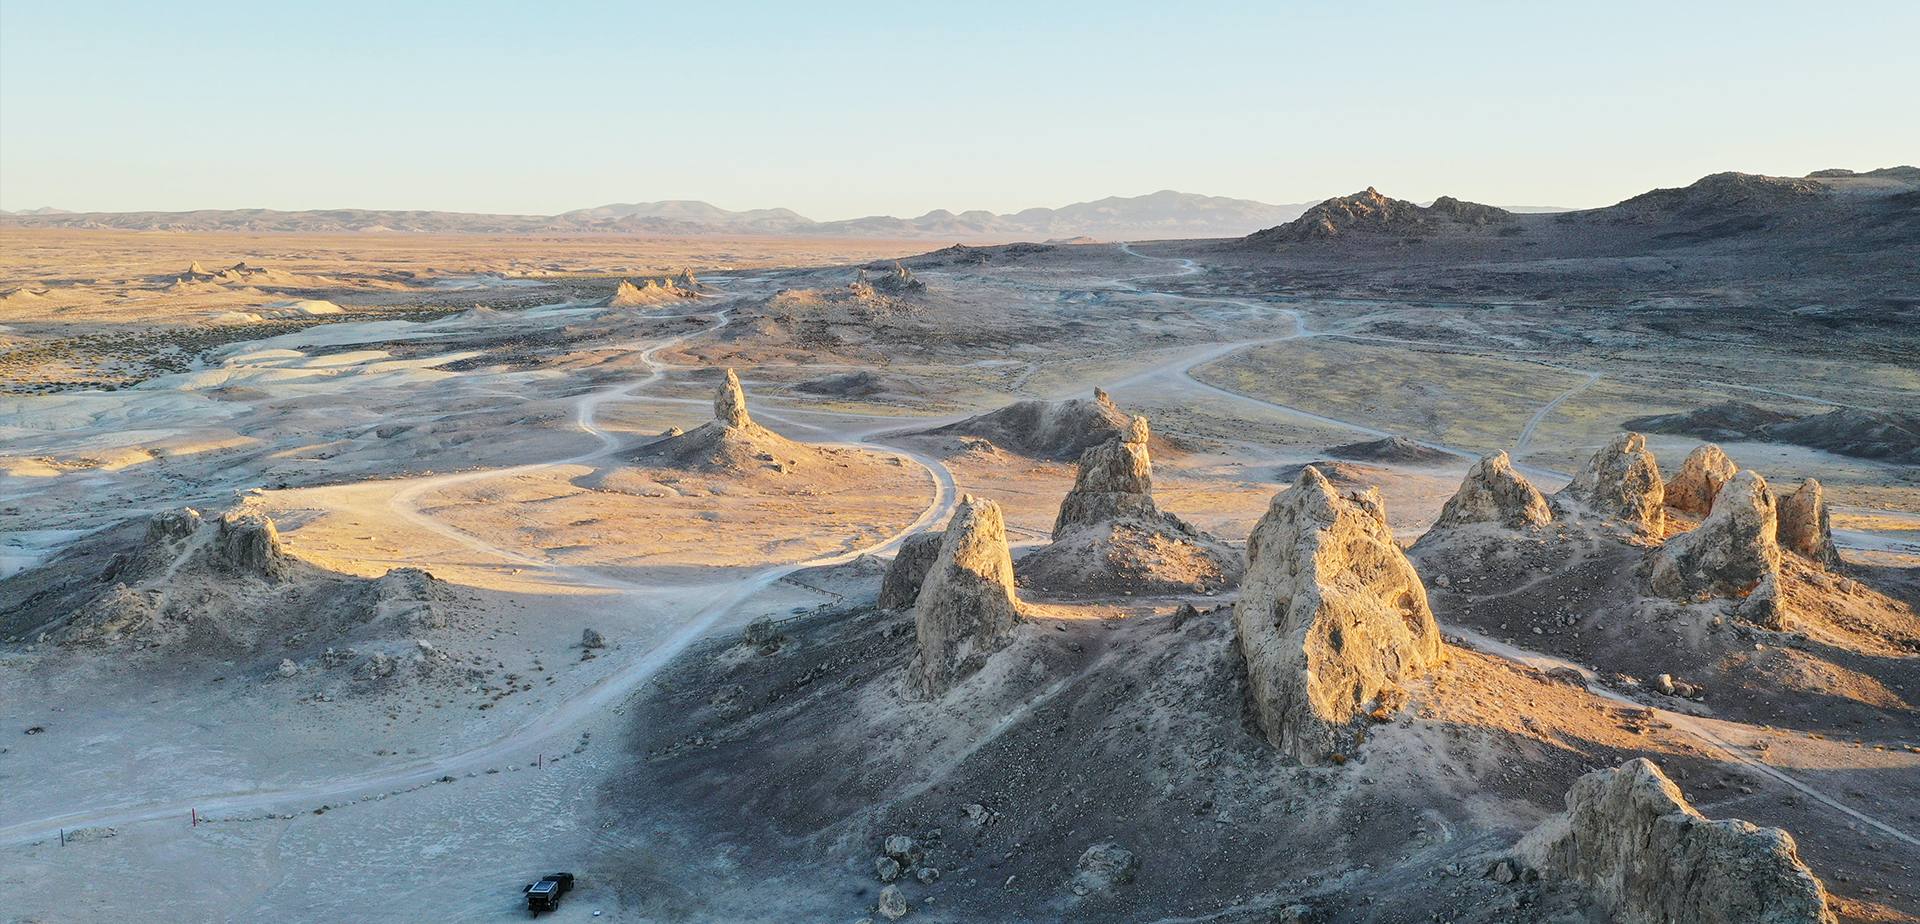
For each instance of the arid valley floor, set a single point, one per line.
(473, 450)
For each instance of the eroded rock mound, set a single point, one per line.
(1111, 536)
(1805, 526)
(966, 608)
(1700, 479)
(1392, 449)
(901, 587)
(654, 291)
(1047, 429)
(731, 442)
(1630, 837)
(1732, 554)
(1332, 619)
(1621, 481)
(1494, 493)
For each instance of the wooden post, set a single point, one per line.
(195, 815)
(63, 837)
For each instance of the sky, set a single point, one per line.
(842, 110)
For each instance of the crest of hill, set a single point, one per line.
(1371, 212)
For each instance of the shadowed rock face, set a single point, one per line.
(1332, 619)
(966, 607)
(901, 587)
(1622, 481)
(1047, 429)
(1701, 477)
(1805, 527)
(1632, 840)
(1494, 493)
(1114, 480)
(1733, 553)
(730, 403)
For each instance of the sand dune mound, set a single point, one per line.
(1641, 850)
(1332, 619)
(1369, 212)
(731, 442)
(1111, 537)
(1396, 449)
(220, 586)
(1050, 429)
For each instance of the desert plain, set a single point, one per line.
(514, 613)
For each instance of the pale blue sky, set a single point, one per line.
(840, 110)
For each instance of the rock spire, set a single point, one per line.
(1494, 493)
(730, 403)
(1622, 481)
(966, 608)
(1701, 477)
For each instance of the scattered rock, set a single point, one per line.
(966, 608)
(903, 849)
(1332, 619)
(1644, 853)
(589, 638)
(1494, 493)
(1622, 481)
(762, 634)
(288, 669)
(887, 869)
(1805, 526)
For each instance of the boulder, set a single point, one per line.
(1104, 866)
(1701, 477)
(1805, 526)
(245, 542)
(1332, 619)
(893, 904)
(1494, 493)
(1733, 552)
(1621, 481)
(966, 608)
(591, 638)
(901, 587)
(1632, 840)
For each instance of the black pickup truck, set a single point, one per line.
(545, 894)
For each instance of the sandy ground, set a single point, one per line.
(483, 445)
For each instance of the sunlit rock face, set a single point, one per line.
(1732, 554)
(1621, 482)
(966, 608)
(1699, 480)
(1643, 853)
(1332, 619)
(1494, 493)
(1805, 527)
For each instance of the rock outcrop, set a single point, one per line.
(653, 291)
(1734, 553)
(900, 589)
(1630, 837)
(731, 442)
(1370, 212)
(1805, 526)
(1621, 481)
(1047, 429)
(1111, 536)
(1699, 480)
(730, 403)
(966, 608)
(1494, 493)
(1332, 619)
(245, 542)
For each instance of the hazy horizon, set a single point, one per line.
(868, 110)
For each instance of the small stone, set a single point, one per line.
(592, 639)
(288, 668)
(893, 906)
(927, 876)
(1503, 872)
(887, 868)
(903, 849)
